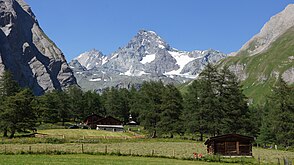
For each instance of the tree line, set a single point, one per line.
(214, 104)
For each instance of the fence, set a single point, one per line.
(276, 160)
(89, 137)
(184, 150)
(132, 148)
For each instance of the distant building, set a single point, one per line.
(92, 120)
(104, 123)
(230, 145)
(131, 121)
(110, 124)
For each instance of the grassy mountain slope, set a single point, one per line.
(262, 70)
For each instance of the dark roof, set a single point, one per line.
(109, 118)
(223, 137)
(93, 115)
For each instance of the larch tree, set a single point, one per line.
(171, 108)
(150, 100)
(8, 87)
(19, 113)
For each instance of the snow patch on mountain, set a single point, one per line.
(148, 59)
(133, 72)
(95, 79)
(182, 59)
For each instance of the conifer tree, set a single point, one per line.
(233, 103)
(171, 108)
(150, 101)
(216, 105)
(19, 114)
(282, 114)
(76, 106)
(209, 100)
(8, 87)
(92, 104)
(195, 117)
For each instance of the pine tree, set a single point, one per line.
(171, 108)
(125, 98)
(209, 100)
(233, 103)
(282, 113)
(266, 133)
(215, 104)
(195, 117)
(8, 87)
(92, 104)
(19, 114)
(49, 106)
(63, 110)
(133, 103)
(76, 97)
(150, 100)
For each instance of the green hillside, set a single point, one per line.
(263, 69)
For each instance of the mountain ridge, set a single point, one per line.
(148, 56)
(259, 65)
(275, 27)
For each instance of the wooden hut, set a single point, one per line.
(230, 145)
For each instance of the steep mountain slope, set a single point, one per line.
(146, 57)
(266, 57)
(28, 53)
(273, 29)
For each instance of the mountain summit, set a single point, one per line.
(147, 40)
(145, 57)
(26, 51)
(91, 59)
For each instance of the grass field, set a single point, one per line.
(169, 149)
(83, 133)
(93, 159)
(145, 148)
(78, 141)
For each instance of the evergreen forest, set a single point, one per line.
(214, 104)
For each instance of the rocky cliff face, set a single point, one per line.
(28, 53)
(146, 57)
(273, 29)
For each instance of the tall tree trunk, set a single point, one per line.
(5, 132)
(201, 136)
(12, 133)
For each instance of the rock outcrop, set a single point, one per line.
(26, 51)
(288, 75)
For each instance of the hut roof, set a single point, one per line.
(228, 137)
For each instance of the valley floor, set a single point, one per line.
(93, 159)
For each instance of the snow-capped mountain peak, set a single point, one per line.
(147, 40)
(91, 59)
(145, 57)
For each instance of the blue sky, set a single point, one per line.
(225, 25)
